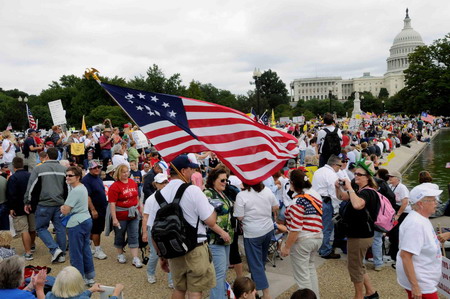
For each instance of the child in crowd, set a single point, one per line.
(244, 288)
(303, 294)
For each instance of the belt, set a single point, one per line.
(201, 243)
(326, 199)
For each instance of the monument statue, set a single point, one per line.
(356, 105)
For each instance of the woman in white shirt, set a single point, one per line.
(254, 207)
(9, 148)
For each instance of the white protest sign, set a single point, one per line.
(140, 139)
(284, 119)
(57, 112)
(444, 284)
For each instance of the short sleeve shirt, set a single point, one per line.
(124, 195)
(194, 204)
(78, 201)
(401, 191)
(96, 191)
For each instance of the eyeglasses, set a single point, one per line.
(70, 175)
(430, 200)
(340, 165)
(360, 174)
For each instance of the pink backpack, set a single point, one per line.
(386, 213)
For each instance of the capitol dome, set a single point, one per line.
(404, 43)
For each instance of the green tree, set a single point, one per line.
(272, 90)
(428, 78)
(383, 94)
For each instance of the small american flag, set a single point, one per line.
(177, 125)
(31, 120)
(9, 127)
(427, 117)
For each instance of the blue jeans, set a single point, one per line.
(328, 226)
(220, 256)
(4, 219)
(153, 259)
(131, 227)
(302, 157)
(106, 153)
(43, 216)
(80, 251)
(377, 249)
(256, 250)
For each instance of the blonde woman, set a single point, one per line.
(9, 148)
(70, 284)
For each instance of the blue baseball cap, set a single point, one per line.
(183, 161)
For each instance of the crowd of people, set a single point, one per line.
(89, 184)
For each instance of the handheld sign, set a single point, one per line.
(58, 113)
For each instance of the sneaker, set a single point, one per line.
(121, 259)
(331, 256)
(99, 254)
(373, 296)
(170, 285)
(61, 259)
(378, 268)
(33, 248)
(56, 254)
(137, 262)
(28, 256)
(89, 282)
(151, 278)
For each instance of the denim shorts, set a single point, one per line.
(131, 228)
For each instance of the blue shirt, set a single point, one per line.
(16, 294)
(96, 191)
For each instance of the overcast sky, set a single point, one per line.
(218, 42)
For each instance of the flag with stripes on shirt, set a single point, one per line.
(31, 121)
(177, 125)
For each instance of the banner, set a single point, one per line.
(140, 139)
(444, 284)
(57, 112)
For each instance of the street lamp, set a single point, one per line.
(382, 102)
(256, 76)
(23, 100)
(330, 94)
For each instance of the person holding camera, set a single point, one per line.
(220, 236)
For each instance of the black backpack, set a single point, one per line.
(331, 143)
(173, 235)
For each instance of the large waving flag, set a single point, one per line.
(177, 125)
(427, 117)
(31, 121)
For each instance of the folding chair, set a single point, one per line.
(275, 244)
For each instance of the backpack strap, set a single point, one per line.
(311, 199)
(180, 192)
(326, 130)
(160, 199)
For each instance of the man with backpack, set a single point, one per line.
(329, 140)
(180, 238)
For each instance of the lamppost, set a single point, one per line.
(382, 102)
(330, 94)
(25, 101)
(257, 76)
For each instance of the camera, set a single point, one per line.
(341, 182)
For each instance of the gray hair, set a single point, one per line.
(333, 160)
(11, 272)
(117, 149)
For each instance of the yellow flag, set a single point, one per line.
(273, 122)
(357, 116)
(83, 125)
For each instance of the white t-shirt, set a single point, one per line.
(417, 236)
(8, 156)
(256, 208)
(321, 135)
(323, 182)
(194, 203)
(401, 191)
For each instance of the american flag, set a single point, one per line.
(31, 120)
(427, 117)
(177, 125)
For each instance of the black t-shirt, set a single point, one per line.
(359, 226)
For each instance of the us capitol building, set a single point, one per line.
(393, 80)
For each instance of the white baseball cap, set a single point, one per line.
(160, 178)
(421, 191)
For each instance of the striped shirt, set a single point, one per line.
(303, 216)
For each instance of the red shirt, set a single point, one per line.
(345, 140)
(102, 140)
(125, 196)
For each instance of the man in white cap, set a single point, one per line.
(193, 272)
(419, 260)
(402, 209)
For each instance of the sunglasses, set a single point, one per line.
(70, 175)
(340, 165)
(223, 180)
(360, 174)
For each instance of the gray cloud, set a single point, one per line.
(209, 41)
